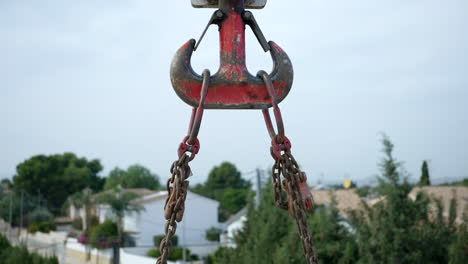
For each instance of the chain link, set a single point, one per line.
(288, 179)
(296, 202)
(177, 186)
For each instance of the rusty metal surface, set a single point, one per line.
(232, 86)
(253, 4)
(287, 176)
(177, 184)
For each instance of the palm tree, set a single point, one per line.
(120, 202)
(84, 199)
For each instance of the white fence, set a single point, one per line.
(106, 255)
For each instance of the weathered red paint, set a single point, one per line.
(225, 94)
(232, 86)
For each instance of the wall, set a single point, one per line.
(200, 214)
(78, 251)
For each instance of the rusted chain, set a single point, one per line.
(177, 184)
(288, 179)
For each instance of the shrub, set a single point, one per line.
(83, 239)
(46, 227)
(104, 235)
(157, 240)
(77, 223)
(176, 254)
(93, 221)
(20, 255)
(40, 215)
(33, 228)
(4, 243)
(212, 234)
(154, 253)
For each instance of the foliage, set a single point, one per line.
(395, 230)
(463, 182)
(7, 182)
(400, 230)
(4, 243)
(77, 223)
(225, 184)
(364, 191)
(29, 204)
(213, 234)
(176, 254)
(274, 236)
(154, 253)
(40, 215)
(135, 176)
(120, 202)
(157, 240)
(458, 250)
(56, 176)
(424, 180)
(44, 227)
(233, 200)
(84, 199)
(104, 235)
(20, 255)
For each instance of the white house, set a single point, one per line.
(200, 214)
(232, 226)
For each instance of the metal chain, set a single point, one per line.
(177, 187)
(177, 184)
(287, 176)
(297, 204)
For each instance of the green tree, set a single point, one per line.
(30, 203)
(213, 234)
(55, 177)
(225, 184)
(425, 180)
(270, 236)
(20, 255)
(135, 176)
(84, 199)
(120, 202)
(105, 235)
(458, 250)
(399, 229)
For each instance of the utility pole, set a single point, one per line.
(259, 188)
(11, 212)
(184, 248)
(21, 214)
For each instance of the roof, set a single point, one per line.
(236, 216)
(445, 194)
(148, 196)
(139, 191)
(347, 199)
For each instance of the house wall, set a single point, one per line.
(200, 214)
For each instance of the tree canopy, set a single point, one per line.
(425, 180)
(225, 184)
(135, 176)
(57, 176)
(396, 230)
(120, 202)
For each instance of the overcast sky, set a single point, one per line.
(92, 77)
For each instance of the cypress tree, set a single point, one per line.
(424, 181)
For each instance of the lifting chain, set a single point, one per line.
(177, 184)
(235, 88)
(287, 176)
